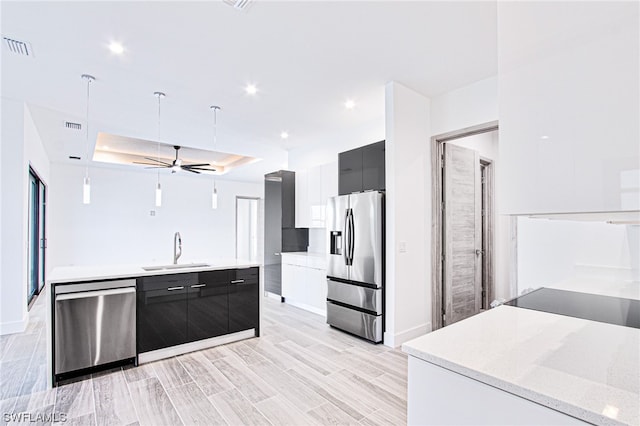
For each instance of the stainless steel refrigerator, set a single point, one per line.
(355, 264)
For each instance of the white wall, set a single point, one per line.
(322, 149)
(117, 227)
(13, 300)
(569, 71)
(21, 147)
(474, 104)
(569, 254)
(408, 206)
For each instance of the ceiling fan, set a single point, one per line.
(177, 164)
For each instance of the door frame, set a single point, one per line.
(437, 168)
(488, 228)
(235, 236)
(42, 243)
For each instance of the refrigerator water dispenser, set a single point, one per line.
(336, 242)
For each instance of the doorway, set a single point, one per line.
(463, 223)
(247, 228)
(37, 242)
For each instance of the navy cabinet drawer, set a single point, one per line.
(166, 281)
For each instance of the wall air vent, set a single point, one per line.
(238, 4)
(72, 126)
(18, 47)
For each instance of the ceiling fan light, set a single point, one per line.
(158, 195)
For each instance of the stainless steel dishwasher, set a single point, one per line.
(95, 324)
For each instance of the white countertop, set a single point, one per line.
(304, 253)
(587, 369)
(67, 274)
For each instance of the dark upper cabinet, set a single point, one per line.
(208, 306)
(373, 166)
(350, 171)
(362, 169)
(288, 199)
(280, 233)
(244, 300)
(162, 310)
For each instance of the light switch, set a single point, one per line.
(403, 246)
(152, 213)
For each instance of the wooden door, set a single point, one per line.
(462, 289)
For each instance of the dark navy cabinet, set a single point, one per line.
(208, 306)
(244, 301)
(362, 169)
(162, 310)
(181, 308)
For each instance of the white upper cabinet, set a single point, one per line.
(313, 187)
(569, 100)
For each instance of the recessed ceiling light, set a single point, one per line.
(116, 48)
(349, 104)
(251, 89)
(284, 135)
(544, 137)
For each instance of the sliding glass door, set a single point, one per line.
(36, 236)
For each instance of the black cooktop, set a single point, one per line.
(594, 307)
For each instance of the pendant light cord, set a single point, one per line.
(86, 171)
(158, 143)
(215, 109)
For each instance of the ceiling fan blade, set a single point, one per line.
(190, 170)
(146, 164)
(203, 169)
(196, 165)
(158, 161)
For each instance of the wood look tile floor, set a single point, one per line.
(300, 372)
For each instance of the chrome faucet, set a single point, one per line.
(177, 247)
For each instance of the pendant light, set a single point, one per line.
(214, 193)
(158, 95)
(86, 185)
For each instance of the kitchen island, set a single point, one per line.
(511, 365)
(101, 315)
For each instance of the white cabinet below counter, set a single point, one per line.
(304, 281)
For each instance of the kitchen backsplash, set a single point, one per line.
(317, 240)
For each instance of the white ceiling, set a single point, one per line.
(306, 59)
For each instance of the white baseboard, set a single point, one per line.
(13, 327)
(313, 309)
(273, 296)
(194, 346)
(396, 340)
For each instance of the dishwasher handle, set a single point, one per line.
(95, 293)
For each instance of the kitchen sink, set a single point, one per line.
(174, 266)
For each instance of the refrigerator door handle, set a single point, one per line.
(347, 240)
(352, 236)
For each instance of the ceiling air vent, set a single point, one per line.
(238, 4)
(18, 47)
(72, 126)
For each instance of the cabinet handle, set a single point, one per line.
(198, 285)
(237, 281)
(175, 288)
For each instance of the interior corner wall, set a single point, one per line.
(408, 207)
(474, 104)
(13, 290)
